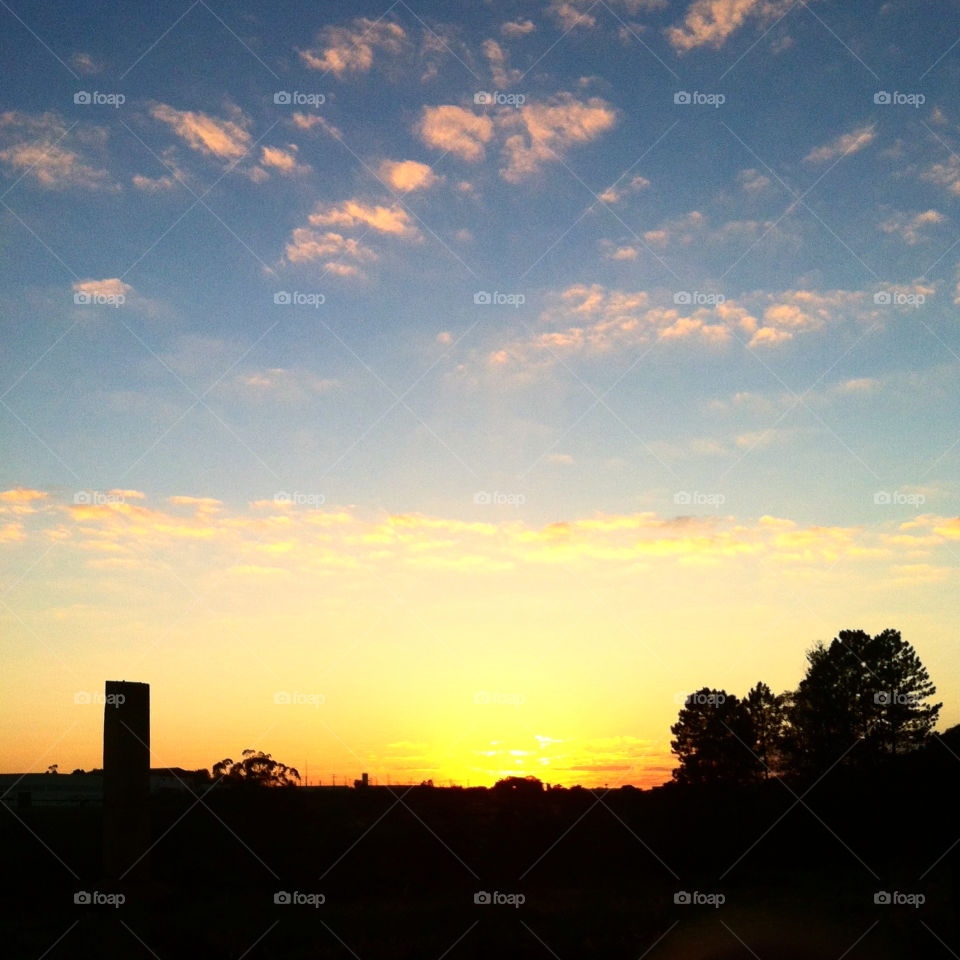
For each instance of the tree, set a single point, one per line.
(862, 699)
(768, 718)
(714, 739)
(256, 769)
(518, 787)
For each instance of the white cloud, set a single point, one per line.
(517, 28)
(407, 175)
(456, 130)
(909, 228)
(846, 143)
(213, 136)
(345, 50)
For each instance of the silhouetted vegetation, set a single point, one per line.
(862, 701)
(256, 769)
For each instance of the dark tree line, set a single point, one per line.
(862, 700)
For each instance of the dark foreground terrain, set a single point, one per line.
(599, 873)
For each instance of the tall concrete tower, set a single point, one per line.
(126, 780)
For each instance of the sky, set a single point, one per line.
(445, 390)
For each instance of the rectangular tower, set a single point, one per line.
(126, 780)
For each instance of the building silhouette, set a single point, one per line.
(126, 780)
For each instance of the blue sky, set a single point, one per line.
(734, 308)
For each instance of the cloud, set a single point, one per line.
(517, 28)
(540, 133)
(908, 227)
(846, 143)
(944, 174)
(112, 287)
(85, 64)
(212, 136)
(592, 321)
(42, 148)
(456, 130)
(393, 220)
(407, 175)
(752, 181)
(346, 50)
(341, 255)
(282, 160)
(307, 121)
(285, 385)
(503, 76)
(619, 191)
(710, 23)
(569, 16)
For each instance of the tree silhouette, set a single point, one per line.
(714, 739)
(768, 718)
(860, 690)
(256, 769)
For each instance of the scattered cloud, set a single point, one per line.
(43, 149)
(407, 175)
(349, 50)
(517, 28)
(213, 136)
(458, 131)
(909, 228)
(710, 23)
(846, 143)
